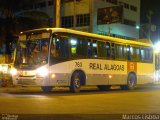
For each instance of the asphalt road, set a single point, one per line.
(89, 103)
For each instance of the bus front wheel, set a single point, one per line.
(46, 89)
(131, 83)
(75, 84)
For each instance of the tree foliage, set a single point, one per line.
(16, 16)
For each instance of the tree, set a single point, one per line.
(14, 18)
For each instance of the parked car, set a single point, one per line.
(5, 76)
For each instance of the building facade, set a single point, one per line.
(117, 18)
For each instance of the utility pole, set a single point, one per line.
(56, 13)
(74, 14)
(91, 6)
(149, 16)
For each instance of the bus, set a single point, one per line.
(75, 58)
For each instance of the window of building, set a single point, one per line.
(133, 8)
(129, 22)
(67, 21)
(126, 5)
(40, 5)
(83, 20)
(50, 2)
(112, 1)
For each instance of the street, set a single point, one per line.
(26, 100)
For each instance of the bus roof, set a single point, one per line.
(93, 35)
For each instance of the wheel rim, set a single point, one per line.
(131, 82)
(77, 81)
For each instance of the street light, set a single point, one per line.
(137, 27)
(157, 46)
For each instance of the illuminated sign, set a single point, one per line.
(34, 36)
(112, 67)
(109, 15)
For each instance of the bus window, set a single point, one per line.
(73, 42)
(101, 49)
(89, 48)
(150, 54)
(78, 47)
(63, 46)
(108, 50)
(120, 51)
(128, 53)
(133, 53)
(55, 48)
(147, 54)
(59, 47)
(92, 48)
(81, 47)
(142, 54)
(113, 51)
(137, 54)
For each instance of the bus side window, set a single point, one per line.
(101, 49)
(128, 53)
(94, 45)
(81, 47)
(113, 51)
(108, 50)
(55, 47)
(89, 48)
(147, 54)
(64, 50)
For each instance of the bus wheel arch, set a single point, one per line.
(78, 78)
(131, 81)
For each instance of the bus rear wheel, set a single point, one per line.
(131, 83)
(75, 84)
(103, 87)
(46, 89)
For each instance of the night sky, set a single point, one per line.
(153, 5)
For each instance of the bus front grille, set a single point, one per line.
(26, 81)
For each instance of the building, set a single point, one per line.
(117, 18)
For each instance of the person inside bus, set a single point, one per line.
(36, 48)
(54, 51)
(40, 56)
(44, 52)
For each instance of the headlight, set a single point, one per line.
(42, 71)
(4, 68)
(1, 68)
(13, 71)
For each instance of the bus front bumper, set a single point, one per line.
(30, 81)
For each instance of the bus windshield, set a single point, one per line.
(32, 53)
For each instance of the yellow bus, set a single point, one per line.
(74, 59)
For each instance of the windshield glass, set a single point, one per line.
(32, 53)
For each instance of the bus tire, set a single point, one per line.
(131, 82)
(104, 87)
(46, 89)
(75, 84)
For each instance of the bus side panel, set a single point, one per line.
(101, 72)
(145, 73)
(60, 74)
